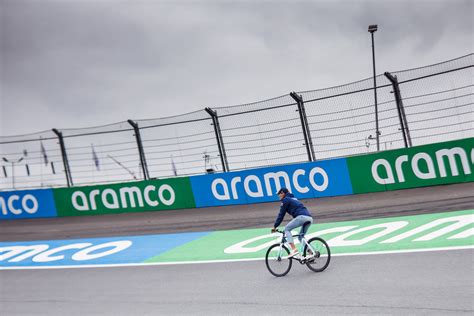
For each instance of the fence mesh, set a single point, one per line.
(437, 99)
(440, 107)
(180, 145)
(262, 133)
(342, 119)
(41, 162)
(102, 154)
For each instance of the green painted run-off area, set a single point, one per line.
(408, 233)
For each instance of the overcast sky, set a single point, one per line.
(67, 64)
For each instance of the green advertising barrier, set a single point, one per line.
(153, 195)
(427, 165)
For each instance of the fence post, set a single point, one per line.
(67, 170)
(304, 124)
(220, 141)
(141, 152)
(401, 110)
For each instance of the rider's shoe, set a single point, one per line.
(298, 256)
(294, 254)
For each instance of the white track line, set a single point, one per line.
(118, 265)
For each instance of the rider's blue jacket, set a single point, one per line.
(291, 205)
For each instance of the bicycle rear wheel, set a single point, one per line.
(277, 260)
(319, 260)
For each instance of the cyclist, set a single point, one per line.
(301, 217)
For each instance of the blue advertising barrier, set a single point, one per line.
(27, 204)
(307, 180)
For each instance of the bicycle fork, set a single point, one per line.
(280, 252)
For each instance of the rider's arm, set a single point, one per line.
(281, 214)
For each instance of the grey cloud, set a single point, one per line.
(90, 63)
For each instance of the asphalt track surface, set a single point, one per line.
(434, 283)
(363, 206)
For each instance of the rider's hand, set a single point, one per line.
(274, 230)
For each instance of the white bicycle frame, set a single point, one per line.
(303, 242)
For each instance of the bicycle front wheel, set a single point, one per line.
(318, 254)
(277, 260)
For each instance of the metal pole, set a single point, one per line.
(377, 132)
(404, 117)
(405, 122)
(141, 152)
(400, 108)
(13, 168)
(308, 131)
(219, 139)
(67, 171)
(218, 126)
(13, 175)
(304, 125)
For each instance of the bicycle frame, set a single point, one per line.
(303, 242)
(279, 262)
(317, 255)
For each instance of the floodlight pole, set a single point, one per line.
(372, 30)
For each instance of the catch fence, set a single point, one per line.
(415, 107)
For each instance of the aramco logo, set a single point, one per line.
(126, 197)
(267, 184)
(423, 166)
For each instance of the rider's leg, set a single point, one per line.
(304, 230)
(308, 220)
(296, 222)
(288, 228)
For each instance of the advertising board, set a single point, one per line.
(152, 195)
(307, 180)
(27, 204)
(434, 164)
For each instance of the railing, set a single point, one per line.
(417, 106)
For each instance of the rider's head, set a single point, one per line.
(282, 192)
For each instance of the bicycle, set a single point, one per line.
(316, 255)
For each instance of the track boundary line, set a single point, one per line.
(120, 265)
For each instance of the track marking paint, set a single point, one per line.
(427, 232)
(121, 265)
